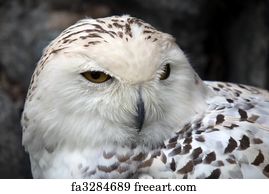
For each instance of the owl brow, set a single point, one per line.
(95, 68)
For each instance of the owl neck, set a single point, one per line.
(195, 100)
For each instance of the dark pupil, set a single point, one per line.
(167, 69)
(95, 75)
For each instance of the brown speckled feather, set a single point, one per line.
(229, 140)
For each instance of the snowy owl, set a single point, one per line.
(116, 98)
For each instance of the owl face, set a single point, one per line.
(137, 87)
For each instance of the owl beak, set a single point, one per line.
(140, 113)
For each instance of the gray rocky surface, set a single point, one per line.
(13, 161)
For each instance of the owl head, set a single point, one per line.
(114, 80)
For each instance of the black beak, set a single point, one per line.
(140, 113)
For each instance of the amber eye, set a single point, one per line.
(166, 72)
(96, 76)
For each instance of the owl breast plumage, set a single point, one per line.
(116, 98)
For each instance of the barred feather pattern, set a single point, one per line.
(229, 140)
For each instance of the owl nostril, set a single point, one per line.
(140, 113)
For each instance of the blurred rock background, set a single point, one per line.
(225, 40)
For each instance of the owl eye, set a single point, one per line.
(96, 76)
(166, 72)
